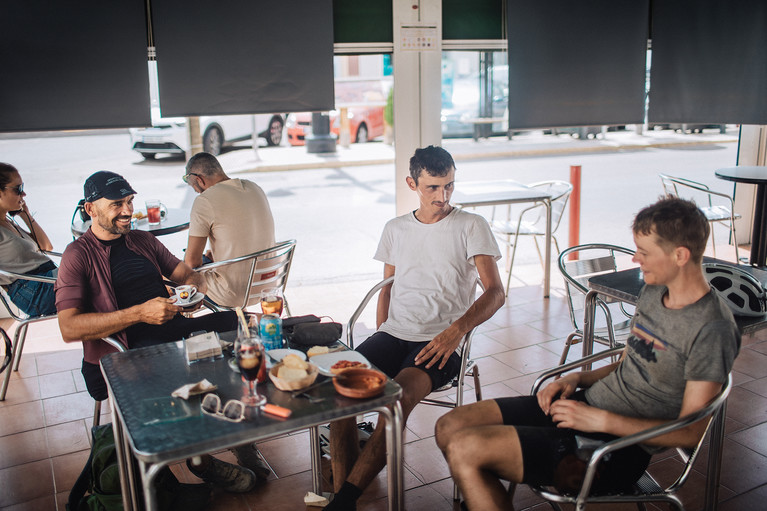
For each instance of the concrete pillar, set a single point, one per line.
(321, 140)
(752, 150)
(417, 87)
(195, 139)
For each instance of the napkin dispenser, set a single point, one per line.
(204, 346)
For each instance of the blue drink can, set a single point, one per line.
(271, 331)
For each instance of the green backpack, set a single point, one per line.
(100, 477)
(98, 486)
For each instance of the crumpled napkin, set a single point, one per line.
(192, 389)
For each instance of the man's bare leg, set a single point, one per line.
(344, 450)
(478, 458)
(483, 413)
(416, 385)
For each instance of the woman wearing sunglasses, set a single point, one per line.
(21, 248)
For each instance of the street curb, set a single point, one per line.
(457, 156)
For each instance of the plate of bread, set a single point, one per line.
(293, 373)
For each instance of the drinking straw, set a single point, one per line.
(243, 321)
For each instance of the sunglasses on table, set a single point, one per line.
(233, 410)
(18, 189)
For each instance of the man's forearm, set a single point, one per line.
(481, 310)
(89, 326)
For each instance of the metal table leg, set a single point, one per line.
(547, 252)
(393, 417)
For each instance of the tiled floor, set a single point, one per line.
(45, 420)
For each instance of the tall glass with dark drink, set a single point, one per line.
(250, 360)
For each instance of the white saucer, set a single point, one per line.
(197, 298)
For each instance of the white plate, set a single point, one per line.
(197, 298)
(280, 353)
(326, 361)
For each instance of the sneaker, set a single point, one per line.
(249, 457)
(230, 477)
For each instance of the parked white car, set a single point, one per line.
(169, 135)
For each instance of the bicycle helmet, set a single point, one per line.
(742, 292)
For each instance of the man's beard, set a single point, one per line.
(113, 228)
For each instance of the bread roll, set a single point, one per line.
(317, 350)
(291, 373)
(295, 362)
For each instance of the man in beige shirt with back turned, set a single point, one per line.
(233, 215)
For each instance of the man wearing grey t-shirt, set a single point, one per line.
(435, 254)
(682, 346)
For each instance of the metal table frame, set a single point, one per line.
(132, 378)
(625, 286)
(473, 194)
(176, 220)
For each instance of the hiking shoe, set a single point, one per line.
(229, 477)
(249, 457)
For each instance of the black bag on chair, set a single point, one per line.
(7, 357)
(309, 331)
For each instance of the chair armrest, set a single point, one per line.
(24, 276)
(361, 307)
(52, 253)
(115, 343)
(711, 408)
(556, 371)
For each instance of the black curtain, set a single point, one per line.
(235, 57)
(709, 62)
(576, 63)
(73, 65)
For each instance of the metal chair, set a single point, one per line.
(715, 213)
(22, 319)
(268, 268)
(532, 221)
(97, 408)
(468, 366)
(592, 259)
(647, 488)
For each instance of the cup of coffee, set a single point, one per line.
(185, 294)
(155, 211)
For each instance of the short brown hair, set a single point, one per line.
(677, 222)
(433, 159)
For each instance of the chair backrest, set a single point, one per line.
(268, 268)
(560, 192)
(592, 259)
(679, 187)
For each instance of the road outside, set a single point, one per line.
(337, 213)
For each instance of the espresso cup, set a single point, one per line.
(184, 294)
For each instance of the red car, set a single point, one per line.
(364, 101)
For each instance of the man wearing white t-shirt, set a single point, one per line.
(233, 216)
(435, 254)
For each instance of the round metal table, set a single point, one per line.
(176, 220)
(756, 175)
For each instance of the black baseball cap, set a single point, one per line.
(106, 185)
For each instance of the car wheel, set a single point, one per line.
(274, 133)
(362, 134)
(212, 141)
(148, 156)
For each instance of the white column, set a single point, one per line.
(417, 87)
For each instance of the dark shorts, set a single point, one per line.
(150, 335)
(557, 457)
(392, 355)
